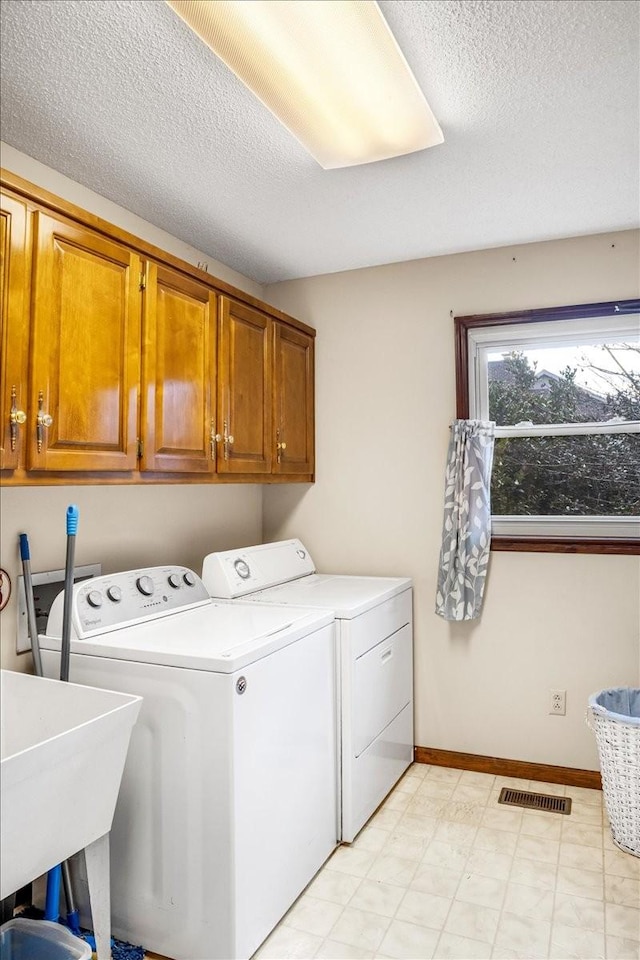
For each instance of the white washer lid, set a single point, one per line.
(220, 637)
(346, 596)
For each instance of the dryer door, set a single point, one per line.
(383, 680)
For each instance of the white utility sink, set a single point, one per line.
(62, 755)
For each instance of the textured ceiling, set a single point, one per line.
(538, 102)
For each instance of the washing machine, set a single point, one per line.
(374, 626)
(228, 800)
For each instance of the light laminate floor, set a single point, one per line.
(443, 871)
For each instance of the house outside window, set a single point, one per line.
(563, 387)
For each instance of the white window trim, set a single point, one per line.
(567, 429)
(502, 337)
(567, 528)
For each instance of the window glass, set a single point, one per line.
(578, 476)
(564, 384)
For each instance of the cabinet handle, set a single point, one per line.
(227, 440)
(16, 419)
(43, 420)
(213, 439)
(281, 446)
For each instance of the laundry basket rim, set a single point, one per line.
(614, 715)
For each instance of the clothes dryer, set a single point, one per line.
(228, 799)
(374, 626)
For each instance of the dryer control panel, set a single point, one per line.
(120, 599)
(236, 573)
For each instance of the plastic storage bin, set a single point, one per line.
(22, 939)
(614, 716)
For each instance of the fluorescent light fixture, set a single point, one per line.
(330, 70)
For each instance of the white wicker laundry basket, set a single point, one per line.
(614, 716)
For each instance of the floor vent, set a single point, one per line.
(535, 801)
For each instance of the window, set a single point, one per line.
(563, 387)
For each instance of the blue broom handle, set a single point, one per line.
(32, 628)
(52, 902)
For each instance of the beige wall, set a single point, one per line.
(120, 527)
(385, 396)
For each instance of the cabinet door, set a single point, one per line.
(14, 329)
(178, 392)
(85, 350)
(244, 390)
(293, 401)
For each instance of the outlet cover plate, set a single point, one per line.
(558, 703)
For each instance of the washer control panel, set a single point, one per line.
(118, 599)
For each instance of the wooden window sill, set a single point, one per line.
(566, 545)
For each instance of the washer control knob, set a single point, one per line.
(145, 585)
(189, 578)
(174, 580)
(242, 569)
(301, 553)
(114, 594)
(94, 598)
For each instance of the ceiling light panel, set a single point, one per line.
(330, 70)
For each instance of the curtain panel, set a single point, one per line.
(466, 532)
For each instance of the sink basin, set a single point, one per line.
(63, 748)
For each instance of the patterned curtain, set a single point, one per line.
(466, 532)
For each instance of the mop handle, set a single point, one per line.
(65, 651)
(32, 628)
(73, 919)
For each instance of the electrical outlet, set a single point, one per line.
(558, 702)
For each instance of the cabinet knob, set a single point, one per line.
(16, 419)
(43, 420)
(213, 439)
(227, 439)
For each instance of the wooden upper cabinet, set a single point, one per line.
(244, 390)
(14, 329)
(293, 391)
(85, 350)
(120, 363)
(179, 373)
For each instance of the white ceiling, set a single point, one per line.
(538, 102)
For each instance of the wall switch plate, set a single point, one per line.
(558, 702)
(46, 587)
